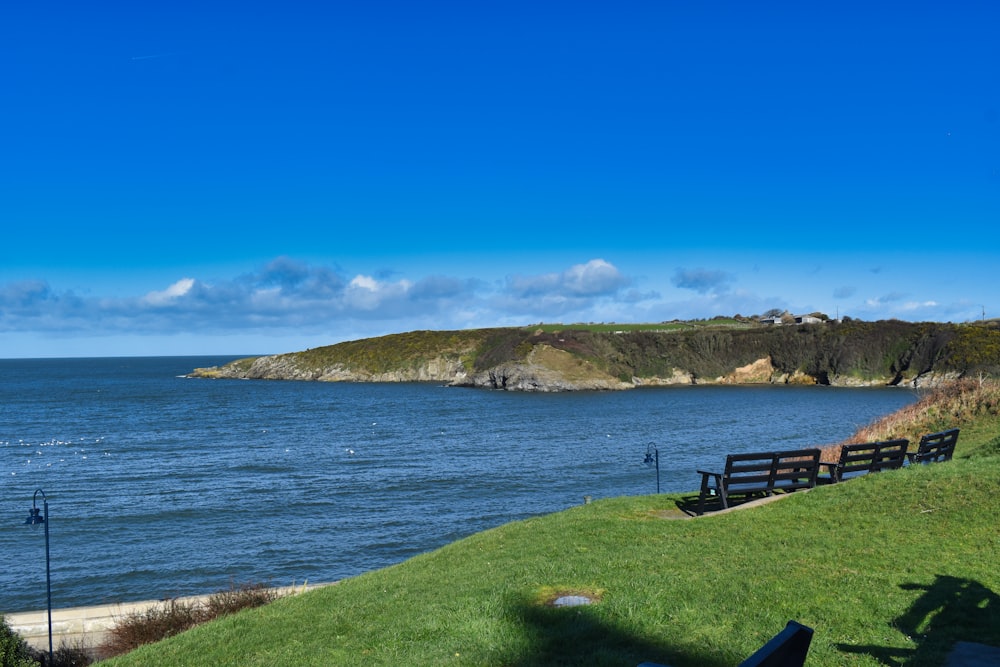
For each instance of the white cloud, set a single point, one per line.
(594, 279)
(918, 305)
(365, 283)
(171, 294)
(368, 294)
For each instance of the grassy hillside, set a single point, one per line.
(888, 569)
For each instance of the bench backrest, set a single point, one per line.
(871, 457)
(751, 470)
(786, 649)
(796, 469)
(936, 446)
(789, 470)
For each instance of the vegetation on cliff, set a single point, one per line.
(616, 356)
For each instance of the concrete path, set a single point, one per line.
(86, 626)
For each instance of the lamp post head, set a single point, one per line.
(35, 518)
(652, 456)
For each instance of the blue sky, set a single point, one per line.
(249, 178)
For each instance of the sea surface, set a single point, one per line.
(160, 486)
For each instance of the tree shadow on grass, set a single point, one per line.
(950, 610)
(563, 636)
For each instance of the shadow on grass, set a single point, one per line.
(689, 504)
(578, 636)
(950, 610)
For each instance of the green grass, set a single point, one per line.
(888, 569)
(616, 327)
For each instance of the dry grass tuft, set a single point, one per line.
(944, 407)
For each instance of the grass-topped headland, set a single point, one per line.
(889, 568)
(550, 357)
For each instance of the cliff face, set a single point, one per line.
(850, 354)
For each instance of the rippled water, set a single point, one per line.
(160, 485)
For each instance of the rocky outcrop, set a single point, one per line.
(761, 371)
(292, 367)
(677, 377)
(546, 369)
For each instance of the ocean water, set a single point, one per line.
(160, 485)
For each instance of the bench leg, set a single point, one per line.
(705, 491)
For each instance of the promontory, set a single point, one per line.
(618, 356)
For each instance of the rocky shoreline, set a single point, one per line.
(545, 369)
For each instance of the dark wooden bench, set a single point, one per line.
(760, 473)
(860, 459)
(788, 648)
(935, 447)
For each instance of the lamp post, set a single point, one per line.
(34, 519)
(653, 459)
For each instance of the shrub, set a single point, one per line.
(64, 656)
(151, 625)
(173, 617)
(14, 652)
(239, 597)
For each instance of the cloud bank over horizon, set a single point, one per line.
(294, 299)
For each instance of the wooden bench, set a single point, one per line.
(760, 473)
(788, 648)
(935, 447)
(860, 459)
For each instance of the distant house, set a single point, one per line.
(798, 319)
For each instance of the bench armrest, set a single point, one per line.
(705, 484)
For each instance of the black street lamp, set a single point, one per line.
(653, 459)
(34, 519)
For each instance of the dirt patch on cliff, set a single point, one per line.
(759, 372)
(569, 367)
